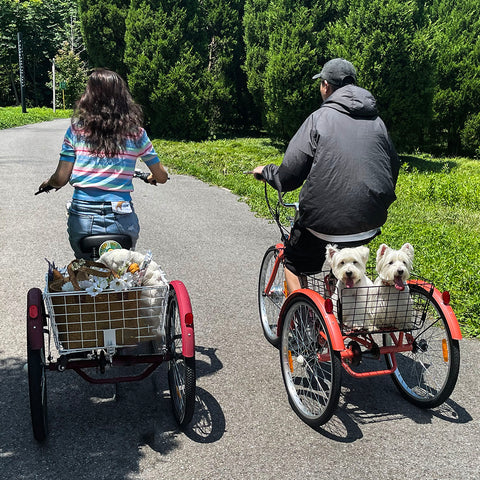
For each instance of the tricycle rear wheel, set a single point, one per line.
(426, 376)
(181, 369)
(37, 378)
(311, 369)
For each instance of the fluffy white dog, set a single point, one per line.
(394, 304)
(152, 300)
(349, 266)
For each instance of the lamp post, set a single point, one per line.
(53, 83)
(22, 71)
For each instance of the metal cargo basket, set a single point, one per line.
(110, 319)
(373, 309)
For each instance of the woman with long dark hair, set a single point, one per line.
(98, 158)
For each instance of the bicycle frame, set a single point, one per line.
(278, 260)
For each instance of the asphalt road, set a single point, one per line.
(243, 427)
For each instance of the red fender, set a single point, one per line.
(445, 307)
(186, 318)
(35, 319)
(330, 319)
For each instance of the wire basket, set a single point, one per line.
(108, 320)
(373, 309)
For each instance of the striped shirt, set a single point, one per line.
(99, 178)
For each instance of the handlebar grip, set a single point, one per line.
(143, 176)
(257, 176)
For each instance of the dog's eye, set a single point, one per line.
(390, 263)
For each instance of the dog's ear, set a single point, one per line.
(331, 251)
(381, 251)
(364, 253)
(408, 249)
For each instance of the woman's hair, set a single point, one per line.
(106, 113)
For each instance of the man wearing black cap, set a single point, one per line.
(344, 158)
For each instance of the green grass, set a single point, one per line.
(13, 116)
(437, 209)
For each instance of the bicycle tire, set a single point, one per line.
(311, 369)
(271, 304)
(181, 369)
(37, 386)
(427, 375)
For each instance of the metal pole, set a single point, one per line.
(53, 83)
(22, 71)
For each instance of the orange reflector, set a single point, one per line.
(445, 350)
(33, 311)
(446, 297)
(290, 361)
(329, 305)
(189, 319)
(285, 289)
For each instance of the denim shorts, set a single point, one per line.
(98, 218)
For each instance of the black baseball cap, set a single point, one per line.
(338, 72)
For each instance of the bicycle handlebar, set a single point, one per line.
(45, 189)
(257, 176)
(143, 176)
(274, 212)
(136, 174)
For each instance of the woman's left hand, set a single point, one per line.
(151, 180)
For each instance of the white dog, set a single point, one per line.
(348, 266)
(394, 304)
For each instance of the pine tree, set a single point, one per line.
(103, 30)
(456, 103)
(387, 43)
(166, 53)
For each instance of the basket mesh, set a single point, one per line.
(373, 309)
(111, 319)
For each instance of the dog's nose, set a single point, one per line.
(400, 272)
(349, 273)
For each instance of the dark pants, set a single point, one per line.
(305, 253)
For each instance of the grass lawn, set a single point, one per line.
(13, 116)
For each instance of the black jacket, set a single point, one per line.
(345, 156)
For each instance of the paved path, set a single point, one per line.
(243, 427)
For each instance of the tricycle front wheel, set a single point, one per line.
(271, 302)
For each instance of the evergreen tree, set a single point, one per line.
(388, 45)
(70, 71)
(166, 53)
(256, 39)
(103, 30)
(456, 104)
(231, 104)
(285, 42)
